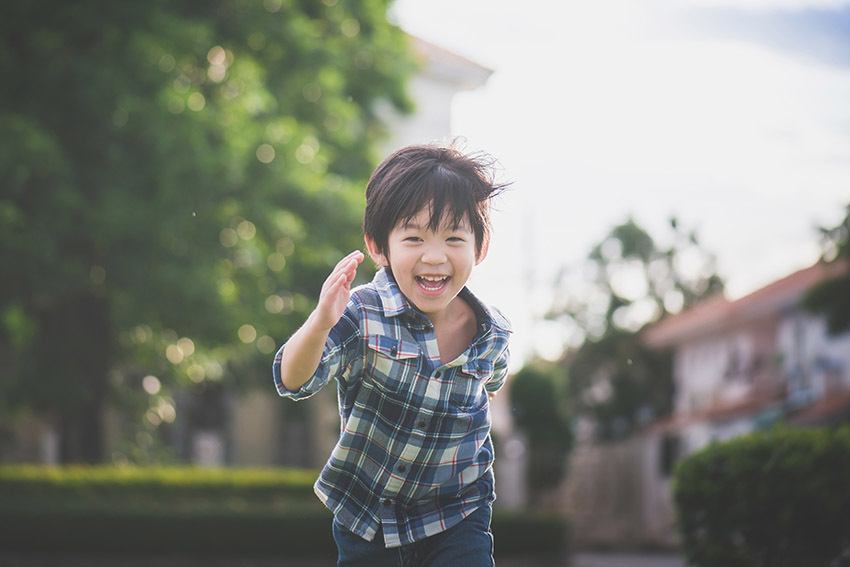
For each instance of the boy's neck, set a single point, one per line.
(455, 329)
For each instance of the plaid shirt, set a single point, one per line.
(414, 455)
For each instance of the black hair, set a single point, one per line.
(454, 186)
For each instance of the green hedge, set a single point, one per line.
(776, 498)
(187, 510)
(151, 484)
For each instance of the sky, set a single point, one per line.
(732, 115)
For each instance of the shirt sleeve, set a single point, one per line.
(341, 349)
(500, 371)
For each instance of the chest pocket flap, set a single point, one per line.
(392, 363)
(479, 369)
(397, 349)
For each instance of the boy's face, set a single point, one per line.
(430, 267)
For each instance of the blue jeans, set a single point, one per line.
(468, 543)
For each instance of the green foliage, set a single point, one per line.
(34, 486)
(832, 297)
(632, 383)
(138, 511)
(628, 281)
(774, 499)
(176, 170)
(538, 407)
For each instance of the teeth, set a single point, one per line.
(433, 278)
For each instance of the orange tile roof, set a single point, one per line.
(722, 411)
(830, 406)
(717, 313)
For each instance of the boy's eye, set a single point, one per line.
(456, 239)
(412, 239)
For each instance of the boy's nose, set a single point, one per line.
(433, 255)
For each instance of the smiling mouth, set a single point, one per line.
(432, 284)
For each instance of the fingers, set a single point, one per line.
(344, 272)
(349, 264)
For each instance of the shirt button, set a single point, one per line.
(388, 502)
(421, 424)
(438, 374)
(393, 351)
(402, 468)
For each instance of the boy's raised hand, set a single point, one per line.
(336, 291)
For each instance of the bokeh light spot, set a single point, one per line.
(196, 102)
(246, 230)
(176, 105)
(285, 246)
(305, 153)
(217, 55)
(228, 237)
(274, 304)
(350, 28)
(276, 261)
(266, 344)
(166, 412)
(265, 153)
(214, 370)
(196, 373)
(187, 346)
(166, 63)
(174, 354)
(312, 92)
(151, 384)
(216, 73)
(247, 333)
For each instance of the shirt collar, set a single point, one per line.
(394, 303)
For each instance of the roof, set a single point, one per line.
(716, 313)
(830, 409)
(718, 412)
(449, 66)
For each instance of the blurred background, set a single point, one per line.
(177, 179)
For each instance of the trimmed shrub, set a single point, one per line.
(33, 484)
(161, 510)
(196, 511)
(774, 499)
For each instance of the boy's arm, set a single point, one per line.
(500, 373)
(303, 351)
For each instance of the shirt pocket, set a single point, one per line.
(392, 362)
(467, 389)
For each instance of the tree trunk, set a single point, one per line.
(77, 344)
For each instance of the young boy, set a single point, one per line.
(414, 354)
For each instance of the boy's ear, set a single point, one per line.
(376, 256)
(485, 247)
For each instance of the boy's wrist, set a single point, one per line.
(315, 325)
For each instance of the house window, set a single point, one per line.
(733, 365)
(668, 454)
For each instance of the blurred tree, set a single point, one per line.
(161, 164)
(627, 282)
(537, 398)
(832, 297)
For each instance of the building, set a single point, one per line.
(738, 366)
